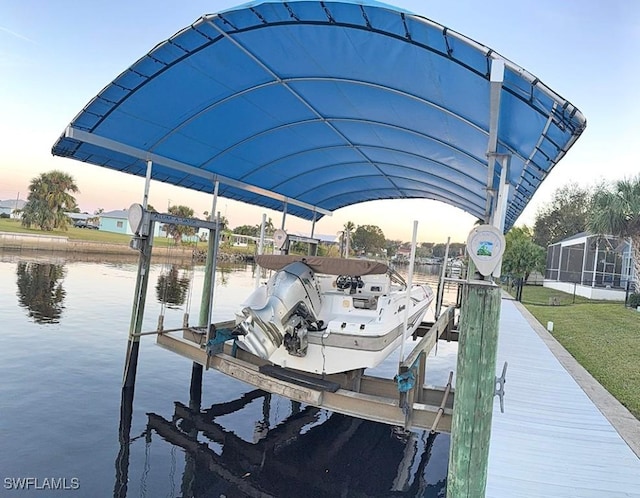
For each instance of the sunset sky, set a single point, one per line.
(56, 56)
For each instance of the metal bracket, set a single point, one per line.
(499, 388)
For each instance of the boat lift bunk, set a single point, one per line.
(403, 401)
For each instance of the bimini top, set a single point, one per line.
(327, 266)
(320, 105)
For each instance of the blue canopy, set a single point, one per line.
(321, 105)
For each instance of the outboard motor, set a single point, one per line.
(292, 306)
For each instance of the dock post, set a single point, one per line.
(204, 318)
(137, 313)
(475, 388)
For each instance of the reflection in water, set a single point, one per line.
(172, 288)
(124, 437)
(40, 290)
(312, 452)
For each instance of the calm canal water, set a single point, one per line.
(63, 335)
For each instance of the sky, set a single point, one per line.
(56, 56)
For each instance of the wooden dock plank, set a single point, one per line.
(552, 440)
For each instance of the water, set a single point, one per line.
(63, 335)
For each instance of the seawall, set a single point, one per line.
(49, 243)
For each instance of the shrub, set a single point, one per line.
(634, 300)
(5, 215)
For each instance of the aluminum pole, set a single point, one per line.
(147, 183)
(412, 261)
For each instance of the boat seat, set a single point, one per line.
(365, 302)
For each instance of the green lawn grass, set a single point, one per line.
(14, 226)
(73, 233)
(603, 336)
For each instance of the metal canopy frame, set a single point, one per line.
(306, 107)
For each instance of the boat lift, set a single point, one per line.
(403, 401)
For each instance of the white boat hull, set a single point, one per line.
(341, 330)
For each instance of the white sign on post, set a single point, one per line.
(136, 213)
(486, 245)
(279, 239)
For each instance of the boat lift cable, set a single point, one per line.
(190, 274)
(164, 275)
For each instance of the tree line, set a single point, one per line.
(608, 209)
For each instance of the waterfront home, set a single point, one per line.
(594, 266)
(12, 207)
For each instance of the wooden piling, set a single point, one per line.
(475, 388)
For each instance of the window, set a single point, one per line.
(119, 224)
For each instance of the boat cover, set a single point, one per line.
(311, 106)
(327, 266)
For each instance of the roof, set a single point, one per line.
(581, 238)
(326, 238)
(320, 105)
(118, 214)
(577, 236)
(13, 203)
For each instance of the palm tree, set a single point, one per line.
(616, 211)
(179, 231)
(49, 198)
(96, 216)
(349, 227)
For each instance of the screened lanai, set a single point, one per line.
(306, 107)
(593, 266)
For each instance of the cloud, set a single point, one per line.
(17, 35)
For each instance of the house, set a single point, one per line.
(10, 207)
(118, 222)
(403, 253)
(593, 266)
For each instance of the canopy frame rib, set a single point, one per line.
(107, 143)
(351, 144)
(377, 147)
(298, 79)
(440, 177)
(462, 200)
(420, 194)
(288, 87)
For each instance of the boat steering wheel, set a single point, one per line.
(343, 282)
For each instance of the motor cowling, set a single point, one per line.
(293, 303)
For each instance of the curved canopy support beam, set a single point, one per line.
(186, 168)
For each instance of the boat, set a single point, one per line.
(329, 315)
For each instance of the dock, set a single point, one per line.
(553, 439)
(561, 434)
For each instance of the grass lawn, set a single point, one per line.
(85, 234)
(603, 336)
(14, 226)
